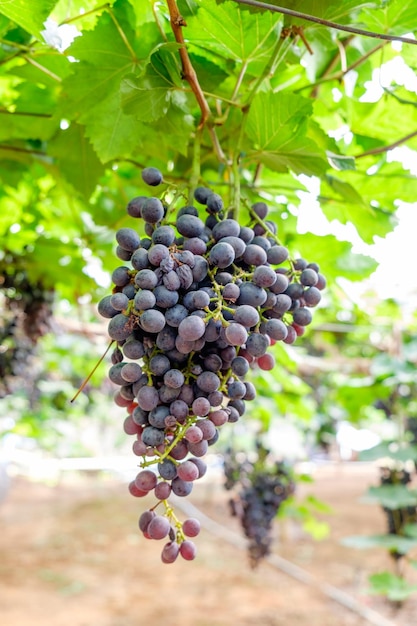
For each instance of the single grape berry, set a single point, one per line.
(152, 176)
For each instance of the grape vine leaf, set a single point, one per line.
(112, 133)
(394, 587)
(277, 126)
(388, 542)
(395, 17)
(393, 496)
(336, 257)
(76, 159)
(233, 33)
(147, 96)
(29, 14)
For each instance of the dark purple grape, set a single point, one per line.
(152, 210)
(257, 344)
(139, 259)
(128, 239)
(312, 296)
(121, 276)
(276, 329)
(191, 328)
(264, 276)
(201, 194)
(181, 487)
(309, 277)
(261, 209)
(222, 255)
(152, 321)
(190, 225)
(226, 228)
(105, 308)
(302, 316)
(254, 255)
(134, 208)
(152, 176)
(120, 327)
(214, 203)
(165, 299)
(251, 294)
(144, 299)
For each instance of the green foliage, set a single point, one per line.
(394, 587)
(117, 97)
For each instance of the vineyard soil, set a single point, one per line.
(70, 555)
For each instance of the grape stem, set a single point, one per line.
(92, 371)
(318, 20)
(188, 71)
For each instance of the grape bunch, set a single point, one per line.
(263, 486)
(195, 305)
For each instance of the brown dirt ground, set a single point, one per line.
(70, 555)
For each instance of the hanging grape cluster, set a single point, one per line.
(261, 487)
(26, 313)
(195, 305)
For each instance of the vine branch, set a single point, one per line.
(391, 146)
(323, 22)
(189, 74)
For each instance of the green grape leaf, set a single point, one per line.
(77, 159)
(393, 496)
(341, 162)
(277, 126)
(394, 587)
(335, 257)
(394, 17)
(234, 33)
(388, 542)
(147, 97)
(389, 450)
(29, 14)
(112, 133)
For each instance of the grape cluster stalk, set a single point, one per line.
(196, 304)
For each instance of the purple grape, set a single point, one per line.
(222, 255)
(146, 480)
(191, 328)
(105, 308)
(152, 176)
(254, 255)
(152, 210)
(181, 487)
(236, 334)
(170, 552)
(174, 378)
(145, 519)
(191, 527)
(189, 226)
(119, 301)
(120, 327)
(148, 398)
(188, 550)
(131, 372)
(158, 527)
(152, 321)
(162, 491)
(187, 471)
(128, 239)
(121, 276)
(144, 299)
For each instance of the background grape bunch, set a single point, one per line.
(261, 486)
(195, 305)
